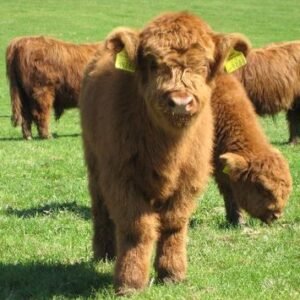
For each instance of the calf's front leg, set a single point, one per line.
(171, 261)
(171, 257)
(135, 240)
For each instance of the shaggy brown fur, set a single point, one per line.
(148, 139)
(257, 177)
(44, 73)
(272, 81)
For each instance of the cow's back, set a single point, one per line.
(271, 77)
(50, 63)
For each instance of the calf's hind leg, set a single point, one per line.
(104, 232)
(293, 118)
(41, 110)
(26, 125)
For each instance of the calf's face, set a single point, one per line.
(175, 83)
(260, 186)
(176, 57)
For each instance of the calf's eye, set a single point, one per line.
(201, 70)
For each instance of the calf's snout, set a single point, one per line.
(181, 102)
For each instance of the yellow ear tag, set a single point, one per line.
(123, 62)
(226, 170)
(235, 60)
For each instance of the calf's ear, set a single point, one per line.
(224, 45)
(233, 164)
(123, 38)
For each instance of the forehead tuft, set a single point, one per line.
(177, 31)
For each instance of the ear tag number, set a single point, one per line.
(235, 60)
(123, 62)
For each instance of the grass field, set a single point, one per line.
(45, 226)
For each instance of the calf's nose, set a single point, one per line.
(181, 102)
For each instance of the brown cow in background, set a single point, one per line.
(272, 81)
(147, 138)
(250, 173)
(44, 73)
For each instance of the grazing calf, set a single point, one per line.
(250, 173)
(44, 73)
(147, 138)
(272, 81)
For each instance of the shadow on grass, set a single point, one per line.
(50, 209)
(281, 143)
(221, 225)
(10, 139)
(228, 226)
(36, 138)
(58, 136)
(45, 281)
(248, 222)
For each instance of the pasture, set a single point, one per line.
(45, 221)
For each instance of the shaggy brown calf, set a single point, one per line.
(250, 173)
(44, 73)
(148, 140)
(272, 81)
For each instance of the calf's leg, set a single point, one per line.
(135, 240)
(171, 258)
(232, 210)
(42, 106)
(104, 232)
(171, 261)
(26, 118)
(293, 118)
(104, 235)
(26, 127)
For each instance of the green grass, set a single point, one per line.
(45, 225)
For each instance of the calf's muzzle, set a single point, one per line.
(181, 102)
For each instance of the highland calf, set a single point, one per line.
(44, 73)
(272, 81)
(250, 173)
(148, 137)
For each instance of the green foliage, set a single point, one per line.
(45, 222)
